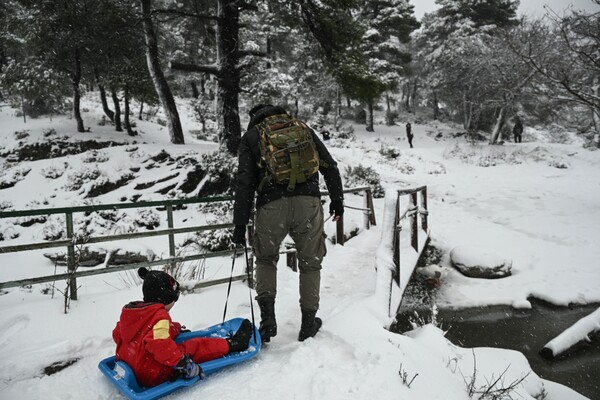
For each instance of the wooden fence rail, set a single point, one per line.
(71, 242)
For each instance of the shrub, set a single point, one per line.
(21, 134)
(147, 218)
(389, 151)
(53, 171)
(217, 239)
(364, 176)
(49, 132)
(390, 117)
(78, 178)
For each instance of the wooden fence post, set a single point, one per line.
(371, 207)
(397, 229)
(367, 212)
(424, 211)
(71, 256)
(171, 236)
(414, 233)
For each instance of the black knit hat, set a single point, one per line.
(158, 287)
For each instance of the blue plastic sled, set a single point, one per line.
(121, 375)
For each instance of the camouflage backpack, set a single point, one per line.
(287, 150)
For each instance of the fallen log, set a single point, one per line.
(578, 332)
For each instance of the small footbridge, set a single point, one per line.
(404, 235)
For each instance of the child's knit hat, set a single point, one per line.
(158, 287)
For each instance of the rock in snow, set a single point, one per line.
(480, 262)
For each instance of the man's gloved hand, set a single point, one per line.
(187, 368)
(239, 235)
(336, 208)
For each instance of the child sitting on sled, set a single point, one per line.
(145, 335)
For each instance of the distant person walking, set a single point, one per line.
(518, 130)
(409, 134)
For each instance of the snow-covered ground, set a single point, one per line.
(536, 203)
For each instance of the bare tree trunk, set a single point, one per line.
(141, 113)
(23, 109)
(115, 99)
(77, 93)
(467, 112)
(413, 97)
(338, 106)
(370, 127)
(160, 83)
(436, 106)
(109, 113)
(596, 110)
(228, 25)
(499, 124)
(130, 131)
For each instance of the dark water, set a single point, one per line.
(526, 331)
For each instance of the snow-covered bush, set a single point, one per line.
(219, 168)
(12, 176)
(540, 154)
(345, 132)
(53, 230)
(215, 240)
(435, 168)
(78, 178)
(389, 151)
(390, 117)
(95, 156)
(147, 218)
(218, 239)
(21, 134)
(48, 132)
(54, 171)
(405, 168)
(364, 176)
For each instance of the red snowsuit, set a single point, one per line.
(145, 341)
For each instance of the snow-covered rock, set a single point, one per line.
(480, 262)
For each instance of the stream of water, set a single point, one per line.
(526, 331)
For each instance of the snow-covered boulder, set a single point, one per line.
(480, 262)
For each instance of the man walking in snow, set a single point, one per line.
(409, 134)
(518, 129)
(288, 202)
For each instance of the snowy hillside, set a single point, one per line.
(536, 203)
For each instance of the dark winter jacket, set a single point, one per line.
(518, 128)
(251, 173)
(145, 341)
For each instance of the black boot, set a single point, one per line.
(268, 325)
(240, 340)
(310, 325)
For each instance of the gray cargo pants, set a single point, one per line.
(302, 218)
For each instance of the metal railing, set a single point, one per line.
(369, 219)
(71, 241)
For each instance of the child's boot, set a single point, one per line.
(240, 340)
